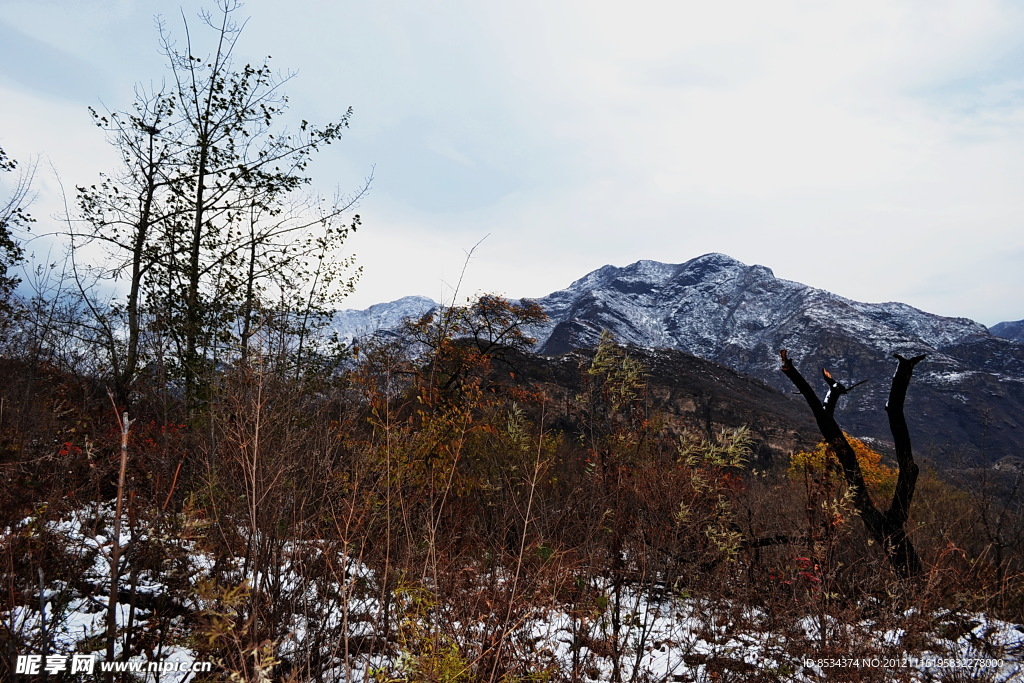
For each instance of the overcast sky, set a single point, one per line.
(874, 149)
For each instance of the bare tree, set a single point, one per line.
(888, 528)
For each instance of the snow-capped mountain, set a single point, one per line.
(354, 323)
(715, 307)
(967, 399)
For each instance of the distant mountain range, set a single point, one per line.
(965, 404)
(351, 324)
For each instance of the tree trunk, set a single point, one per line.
(124, 377)
(887, 529)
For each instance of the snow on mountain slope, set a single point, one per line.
(969, 396)
(713, 302)
(1009, 330)
(353, 323)
(967, 400)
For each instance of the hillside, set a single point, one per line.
(453, 510)
(968, 398)
(1013, 330)
(691, 392)
(967, 405)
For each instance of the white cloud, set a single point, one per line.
(582, 133)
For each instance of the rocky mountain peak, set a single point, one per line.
(723, 310)
(967, 398)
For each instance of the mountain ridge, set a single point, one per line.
(1010, 329)
(966, 401)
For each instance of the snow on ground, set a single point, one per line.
(660, 637)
